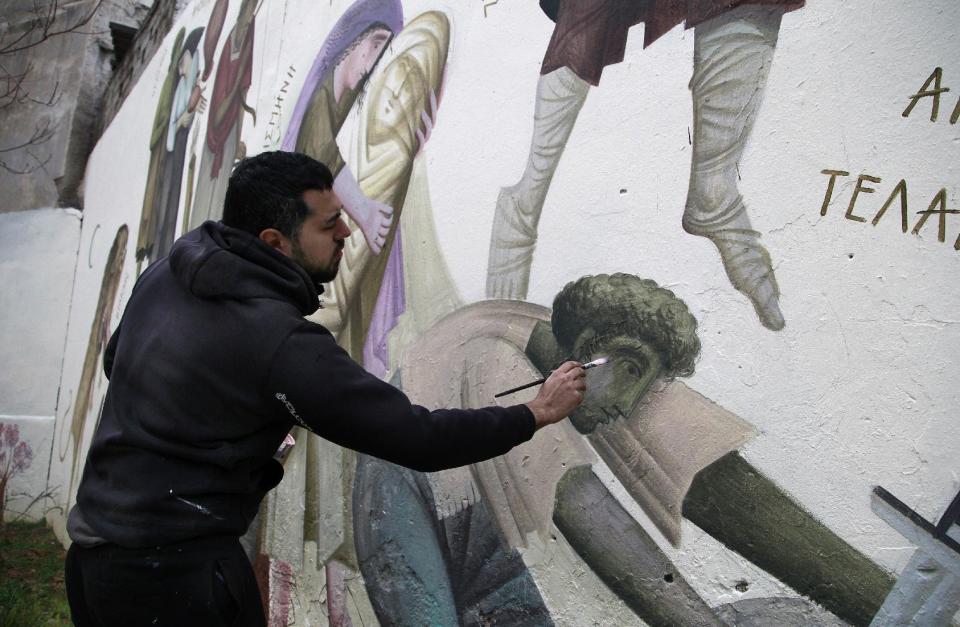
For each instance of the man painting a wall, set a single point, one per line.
(856, 391)
(177, 469)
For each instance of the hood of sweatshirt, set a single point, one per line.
(219, 262)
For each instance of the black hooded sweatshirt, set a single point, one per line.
(212, 364)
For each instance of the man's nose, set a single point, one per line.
(344, 230)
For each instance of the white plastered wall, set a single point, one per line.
(38, 254)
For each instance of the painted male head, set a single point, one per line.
(286, 200)
(645, 330)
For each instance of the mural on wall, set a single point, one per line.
(733, 51)
(669, 446)
(228, 106)
(92, 378)
(364, 302)
(180, 99)
(592, 518)
(338, 75)
(399, 70)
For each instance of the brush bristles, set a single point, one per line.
(596, 362)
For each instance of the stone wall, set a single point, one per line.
(58, 116)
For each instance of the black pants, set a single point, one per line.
(206, 582)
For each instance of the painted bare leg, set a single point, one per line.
(732, 56)
(560, 95)
(337, 595)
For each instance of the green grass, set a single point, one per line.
(32, 593)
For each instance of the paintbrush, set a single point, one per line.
(587, 366)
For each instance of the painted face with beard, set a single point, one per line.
(614, 389)
(318, 246)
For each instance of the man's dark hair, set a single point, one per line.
(266, 191)
(624, 304)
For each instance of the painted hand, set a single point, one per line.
(372, 216)
(560, 394)
(186, 119)
(374, 219)
(198, 98)
(429, 122)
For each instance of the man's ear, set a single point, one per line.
(276, 240)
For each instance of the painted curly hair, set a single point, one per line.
(624, 304)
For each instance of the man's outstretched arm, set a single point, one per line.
(318, 385)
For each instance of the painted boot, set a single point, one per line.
(732, 56)
(560, 95)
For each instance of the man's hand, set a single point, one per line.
(560, 394)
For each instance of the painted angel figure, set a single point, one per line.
(734, 42)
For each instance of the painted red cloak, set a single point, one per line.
(231, 84)
(592, 34)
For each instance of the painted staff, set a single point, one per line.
(928, 590)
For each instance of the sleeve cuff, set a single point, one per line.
(528, 420)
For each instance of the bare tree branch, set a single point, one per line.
(44, 23)
(47, 494)
(52, 100)
(42, 132)
(14, 92)
(13, 87)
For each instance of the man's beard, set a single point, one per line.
(322, 276)
(318, 274)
